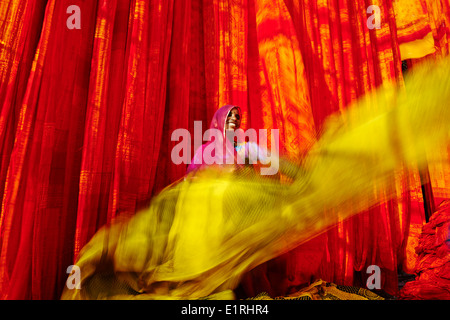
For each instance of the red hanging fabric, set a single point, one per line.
(87, 116)
(41, 190)
(344, 59)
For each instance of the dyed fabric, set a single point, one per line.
(439, 22)
(343, 61)
(284, 97)
(413, 29)
(87, 116)
(43, 102)
(433, 263)
(422, 27)
(414, 19)
(200, 235)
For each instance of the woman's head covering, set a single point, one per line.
(220, 117)
(224, 154)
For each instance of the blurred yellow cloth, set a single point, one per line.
(201, 234)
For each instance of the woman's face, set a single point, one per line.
(233, 120)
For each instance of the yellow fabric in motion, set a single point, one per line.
(201, 234)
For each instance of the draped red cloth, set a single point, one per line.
(87, 115)
(345, 62)
(432, 19)
(432, 270)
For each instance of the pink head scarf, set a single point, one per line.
(223, 152)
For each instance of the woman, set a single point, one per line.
(270, 277)
(227, 152)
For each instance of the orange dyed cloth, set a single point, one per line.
(422, 27)
(413, 29)
(433, 263)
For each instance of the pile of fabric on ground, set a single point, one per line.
(433, 261)
(322, 290)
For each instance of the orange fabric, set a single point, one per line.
(439, 16)
(420, 18)
(414, 19)
(413, 29)
(342, 63)
(413, 240)
(437, 19)
(285, 98)
(433, 264)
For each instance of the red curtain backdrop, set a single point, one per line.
(87, 115)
